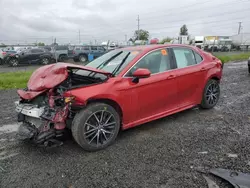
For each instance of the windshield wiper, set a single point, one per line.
(120, 65)
(107, 61)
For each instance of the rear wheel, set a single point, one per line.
(1, 61)
(62, 58)
(83, 58)
(211, 94)
(96, 127)
(45, 61)
(13, 62)
(248, 69)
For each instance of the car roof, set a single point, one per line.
(154, 46)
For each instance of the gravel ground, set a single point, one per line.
(161, 154)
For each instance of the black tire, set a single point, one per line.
(83, 58)
(1, 62)
(45, 61)
(248, 69)
(13, 62)
(87, 135)
(76, 60)
(211, 94)
(63, 58)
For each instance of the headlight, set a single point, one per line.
(69, 99)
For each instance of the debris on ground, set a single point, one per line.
(230, 155)
(203, 152)
(237, 179)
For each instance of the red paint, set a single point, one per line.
(142, 73)
(154, 97)
(49, 76)
(60, 117)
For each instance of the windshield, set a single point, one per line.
(113, 60)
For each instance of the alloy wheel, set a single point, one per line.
(99, 128)
(45, 61)
(14, 62)
(212, 94)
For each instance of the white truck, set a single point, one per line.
(241, 41)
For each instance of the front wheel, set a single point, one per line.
(211, 94)
(96, 127)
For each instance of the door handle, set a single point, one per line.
(170, 77)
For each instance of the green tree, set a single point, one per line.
(167, 39)
(184, 30)
(141, 34)
(40, 44)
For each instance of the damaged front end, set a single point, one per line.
(45, 109)
(43, 118)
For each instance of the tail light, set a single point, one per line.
(4, 53)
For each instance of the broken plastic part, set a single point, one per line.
(237, 179)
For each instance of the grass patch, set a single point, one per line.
(11, 80)
(233, 57)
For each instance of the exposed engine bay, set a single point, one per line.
(46, 117)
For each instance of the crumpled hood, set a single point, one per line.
(49, 76)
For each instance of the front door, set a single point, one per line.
(157, 94)
(190, 77)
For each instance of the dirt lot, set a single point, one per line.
(161, 154)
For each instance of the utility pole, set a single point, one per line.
(239, 27)
(79, 36)
(126, 41)
(138, 25)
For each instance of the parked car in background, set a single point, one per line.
(2, 54)
(60, 52)
(31, 56)
(81, 53)
(121, 89)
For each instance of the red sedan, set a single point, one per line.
(122, 89)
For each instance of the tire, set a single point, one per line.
(249, 69)
(83, 58)
(211, 94)
(45, 61)
(62, 58)
(13, 62)
(85, 130)
(1, 62)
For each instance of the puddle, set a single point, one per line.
(9, 128)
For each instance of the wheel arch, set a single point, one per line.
(110, 102)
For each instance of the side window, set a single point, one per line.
(100, 48)
(85, 48)
(77, 48)
(156, 62)
(184, 57)
(93, 48)
(36, 51)
(198, 57)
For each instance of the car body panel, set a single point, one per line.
(151, 98)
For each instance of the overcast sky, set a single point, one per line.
(101, 20)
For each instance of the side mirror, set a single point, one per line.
(140, 73)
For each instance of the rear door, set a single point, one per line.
(190, 76)
(94, 51)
